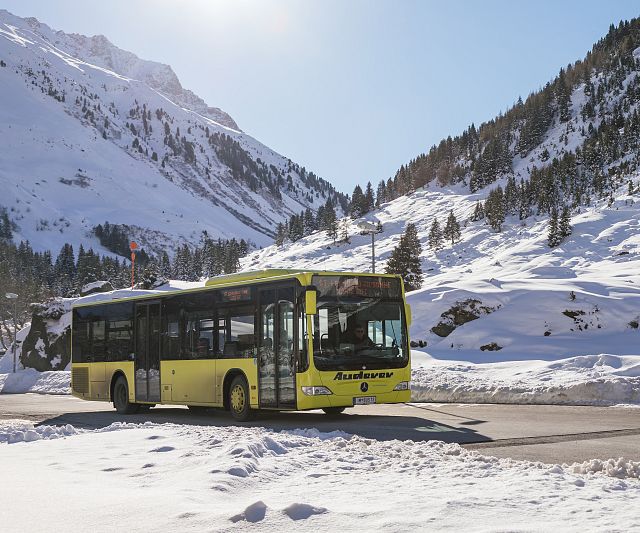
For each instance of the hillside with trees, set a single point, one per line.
(575, 140)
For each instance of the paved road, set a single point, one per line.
(553, 434)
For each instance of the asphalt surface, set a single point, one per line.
(548, 433)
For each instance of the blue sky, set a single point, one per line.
(351, 89)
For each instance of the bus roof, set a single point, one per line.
(304, 276)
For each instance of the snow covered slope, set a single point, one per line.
(250, 478)
(90, 133)
(580, 298)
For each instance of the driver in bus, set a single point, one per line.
(359, 338)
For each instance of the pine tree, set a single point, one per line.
(358, 202)
(281, 234)
(452, 229)
(344, 230)
(332, 230)
(553, 237)
(478, 212)
(310, 223)
(150, 275)
(330, 221)
(165, 265)
(369, 199)
(6, 233)
(563, 96)
(381, 193)
(564, 225)
(65, 270)
(435, 235)
(296, 227)
(405, 259)
(494, 209)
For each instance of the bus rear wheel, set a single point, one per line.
(333, 411)
(121, 398)
(239, 400)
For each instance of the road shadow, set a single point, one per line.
(379, 427)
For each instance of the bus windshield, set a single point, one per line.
(359, 333)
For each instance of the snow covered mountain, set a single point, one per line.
(532, 301)
(91, 133)
(501, 292)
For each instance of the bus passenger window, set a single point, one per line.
(99, 340)
(242, 339)
(81, 338)
(119, 344)
(198, 337)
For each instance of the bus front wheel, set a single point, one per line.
(239, 400)
(333, 411)
(121, 398)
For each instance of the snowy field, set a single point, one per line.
(160, 477)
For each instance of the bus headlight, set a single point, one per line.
(403, 385)
(316, 391)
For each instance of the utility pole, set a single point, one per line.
(14, 297)
(134, 248)
(370, 229)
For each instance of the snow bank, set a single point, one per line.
(620, 468)
(226, 477)
(12, 431)
(583, 380)
(30, 380)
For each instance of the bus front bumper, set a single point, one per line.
(352, 399)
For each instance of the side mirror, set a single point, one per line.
(310, 302)
(407, 312)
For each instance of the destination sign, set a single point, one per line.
(362, 286)
(235, 294)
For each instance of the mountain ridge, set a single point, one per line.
(87, 145)
(99, 50)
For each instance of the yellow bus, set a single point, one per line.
(272, 339)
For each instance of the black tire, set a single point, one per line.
(239, 400)
(121, 398)
(333, 411)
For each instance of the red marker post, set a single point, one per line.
(133, 247)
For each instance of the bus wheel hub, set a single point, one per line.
(237, 398)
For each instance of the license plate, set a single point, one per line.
(364, 400)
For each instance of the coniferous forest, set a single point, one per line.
(36, 276)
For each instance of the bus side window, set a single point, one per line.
(198, 339)
(220, 335)
(98, 337)
(242, 338)
(81, 338)
(119, 339)
(170, 329)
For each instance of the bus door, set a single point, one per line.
(147, 359)
(276, 353)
